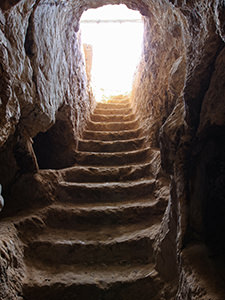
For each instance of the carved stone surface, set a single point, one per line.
(179, 92)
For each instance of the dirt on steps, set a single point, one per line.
(112, 135)
(110, 146)
(93, 282)
(96, 240)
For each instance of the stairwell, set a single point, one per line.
(96, 240)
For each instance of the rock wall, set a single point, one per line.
(190, 153)
(159, 79)
(179, 90)
(11, 264)
(44, 83)
(179, 87)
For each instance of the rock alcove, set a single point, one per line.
(178, 93)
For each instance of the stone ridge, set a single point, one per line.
(96, 241)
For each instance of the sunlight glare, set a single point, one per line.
(116, 48)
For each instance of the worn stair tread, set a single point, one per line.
(136, 281)
(113, 158)
(113, 126)
(110, 146)
(109, 173)
(93, 217)
(110, 118)
(116, 122)
(53, 247)
(107, 185)
(82, 275)
(112, 106)
(121, 111)
(99, 236)
(114, 141)
(104, 191)
(117, 153)
(145, 202)
(114, 213)
(112, 135)
(119, 100)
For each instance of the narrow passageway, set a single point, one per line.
(96, 240)
(121, 199)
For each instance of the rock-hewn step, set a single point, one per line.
(111, 136)
(104, 192)
(93, 217)
(121, 111)
(112, 106)
(115, 218)
(57, 247)
(98, 233)
(106, 174)
(112, 118)
(110, 146)
(92, 283)
(95, 241)
(113, 159)
(119, 100)
(112, 126)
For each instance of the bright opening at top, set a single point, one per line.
(115, 34)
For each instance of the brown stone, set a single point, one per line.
(104, 190)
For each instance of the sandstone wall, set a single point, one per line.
(195, 157)
(159, 79)
(44, 81)
(179, 90)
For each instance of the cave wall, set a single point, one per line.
(192, 153)
(44, 83)
(178, 88)
(159, 79)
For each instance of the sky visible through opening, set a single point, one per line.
(116, 48)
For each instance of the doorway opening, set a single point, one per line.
(112, 36)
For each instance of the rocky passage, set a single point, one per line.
(45, 96)
(96, 240)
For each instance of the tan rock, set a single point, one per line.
(178, 95)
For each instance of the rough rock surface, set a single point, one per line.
(179, 92)
(43, 76)
(97, 236)
(11, 262)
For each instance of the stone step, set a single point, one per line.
(112, 135)
(106, 174)
(110, 146)
(98, 234)
(112, 106)
(119, 111)
(112, 118)
(55, 247)
(113, 159)
(92, 282)
(124, 100)
(112, 126)
(96, 217)
(104, 192)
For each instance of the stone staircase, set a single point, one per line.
(96, 240)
